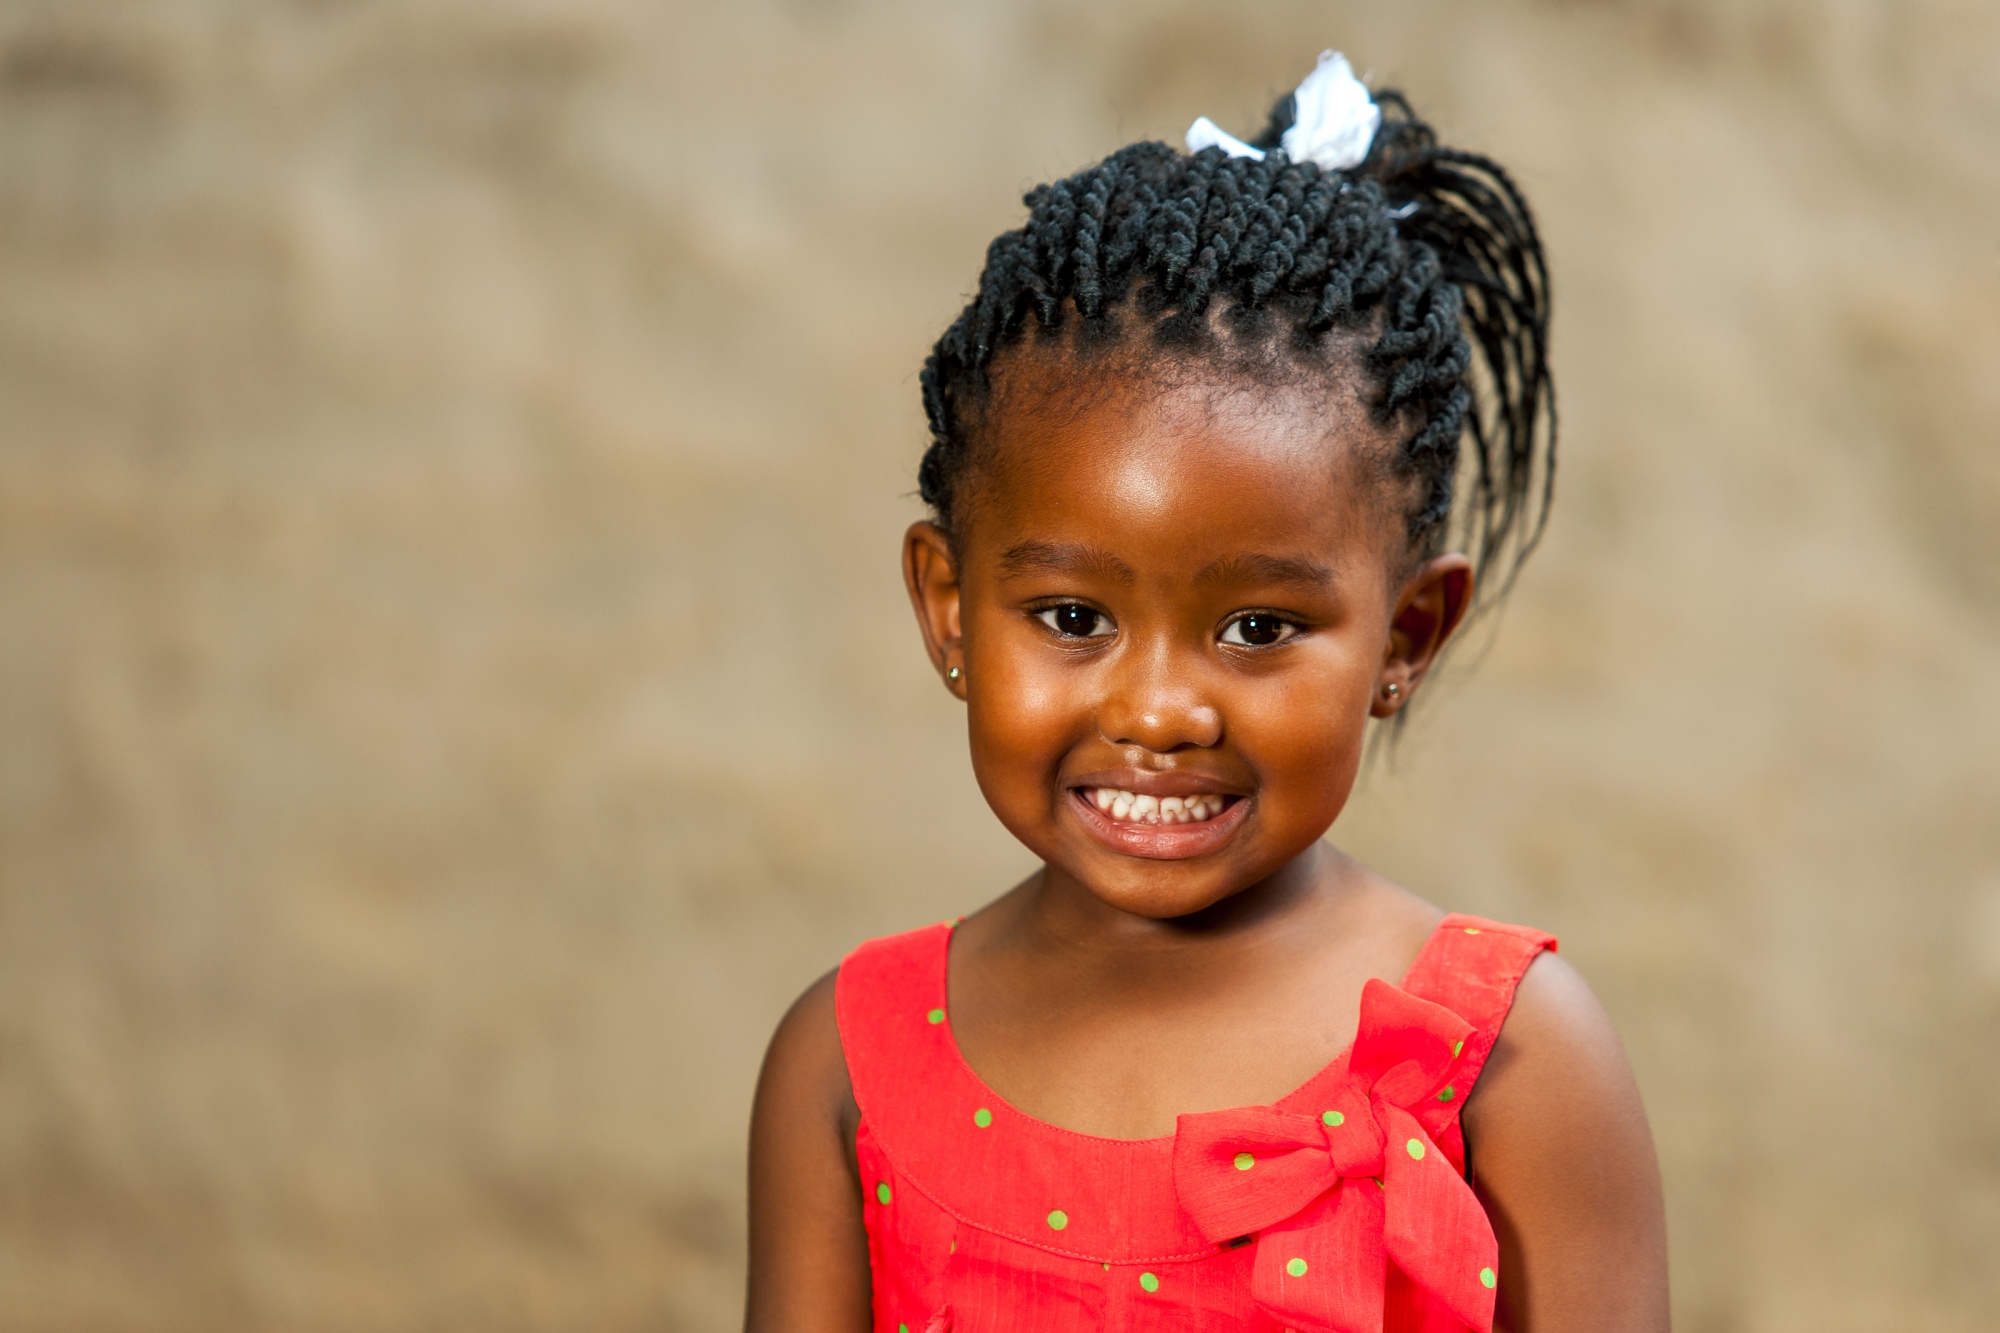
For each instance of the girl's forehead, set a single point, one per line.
(1185, 461)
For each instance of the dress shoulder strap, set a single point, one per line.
(1472, 967)
(889, 1000)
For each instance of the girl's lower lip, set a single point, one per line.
(1160, 842)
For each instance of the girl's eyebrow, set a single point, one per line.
(1256, 567)
(1033, 557)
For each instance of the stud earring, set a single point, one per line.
(1393, 690)
(953, 674)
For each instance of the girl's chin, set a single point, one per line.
(1160, 842)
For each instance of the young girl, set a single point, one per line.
(1194, 446)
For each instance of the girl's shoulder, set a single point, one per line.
(1553, 1132)
(1559, 1148)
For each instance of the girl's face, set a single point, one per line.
(1176, 609)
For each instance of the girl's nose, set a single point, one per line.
(1151, 706)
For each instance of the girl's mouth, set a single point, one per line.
(1160, 828)
(1126, 807)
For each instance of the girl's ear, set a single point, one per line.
(1431, 606)
(931, 575)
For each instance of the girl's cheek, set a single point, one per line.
(1307, 735)
(1030, 718)
(1024, 707)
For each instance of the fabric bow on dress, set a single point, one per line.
(1332, 1197)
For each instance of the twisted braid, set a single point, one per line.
(1430, 250)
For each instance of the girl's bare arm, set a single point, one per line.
(1563, 1160)
(808, 1250)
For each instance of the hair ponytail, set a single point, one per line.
(1467, 209)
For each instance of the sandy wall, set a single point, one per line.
(455, 688)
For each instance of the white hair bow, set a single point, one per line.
(1333, 123)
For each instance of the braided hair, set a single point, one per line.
(1421, 267)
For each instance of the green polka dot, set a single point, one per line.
(1447, 1094)
(1332, 1119)
(1107, 1268)
(1058, 1220)
(982, 1117)
(882, 1191)
(1456, 1047)
(1486, 1278)
(1147, 1282)
(1415, 1149)
(902, 1328)
(1244, 1161)
(1296, 1267)
(935, 1015)
(1472, 930)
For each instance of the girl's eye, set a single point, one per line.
(1258, 630)
(1075, 621)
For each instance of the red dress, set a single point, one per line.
(1340, 1208)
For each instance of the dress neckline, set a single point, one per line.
(931, 1125)
(1327, 1074)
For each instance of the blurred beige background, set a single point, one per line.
(455, 687)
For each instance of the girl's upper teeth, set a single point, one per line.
(1138, 808)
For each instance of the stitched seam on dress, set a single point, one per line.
(1044, 1246)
